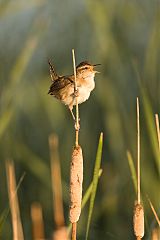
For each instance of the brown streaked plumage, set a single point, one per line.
(62, 87)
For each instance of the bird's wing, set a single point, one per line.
(59, 84)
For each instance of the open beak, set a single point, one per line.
(95, 66)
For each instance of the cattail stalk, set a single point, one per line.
(138, 217)
(138, 155)
(77, 125)
(56, 181)
(76, 169)
(58, 214)
(74, 231)
(37, 221)
(60, 233)
(13, 199)
(155, 234)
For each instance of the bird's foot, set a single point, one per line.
(72, 114)
(76, 93)
(77, 125)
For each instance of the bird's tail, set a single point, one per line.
(53, 73)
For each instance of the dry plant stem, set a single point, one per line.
(77, 125)
(56, 181)
(13, 199)
(60, 233)
(138, 155)
(37, 221)
(155, 234)
(74, 231)
(58, 214)
(158, 129)
(76, 178)
(138, 217)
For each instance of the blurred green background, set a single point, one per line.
(122, 35)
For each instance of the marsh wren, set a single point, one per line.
(63, 87)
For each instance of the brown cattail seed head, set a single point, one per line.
(76, 179)
(138, 220)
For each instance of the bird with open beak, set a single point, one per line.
(63, 87)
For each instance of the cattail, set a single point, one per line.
(60, 233)
(138, 221)
(37, 221)
(155, 234)
(76, 179)
(56, 181)
(138, 216)
(61, 230)
(13, 199)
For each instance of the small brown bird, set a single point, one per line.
(63, 87)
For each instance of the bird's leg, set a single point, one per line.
(75, 95)
(71, 111)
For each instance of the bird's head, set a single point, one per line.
(85, 69)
